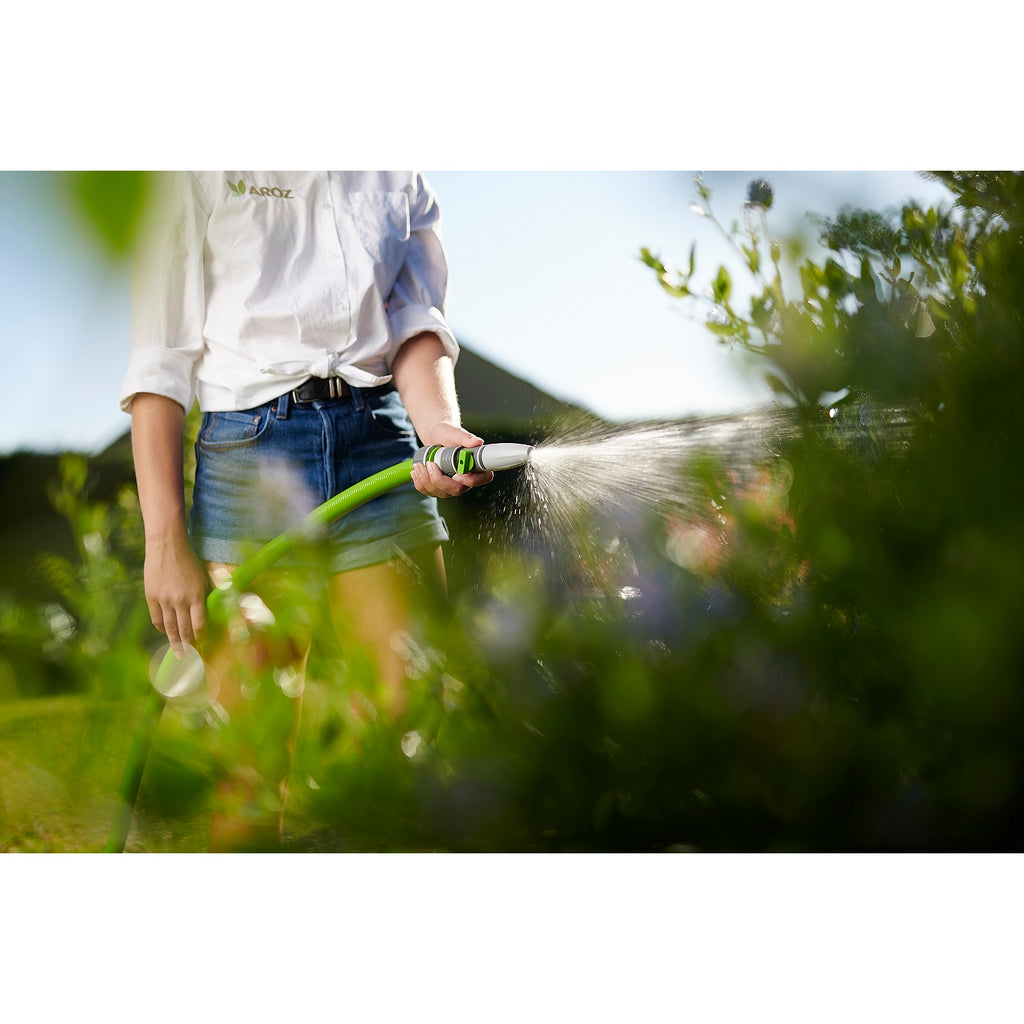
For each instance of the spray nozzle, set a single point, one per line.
(482, 459)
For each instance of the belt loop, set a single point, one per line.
(357, 397)
(283, 405)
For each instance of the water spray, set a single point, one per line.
(178, 678)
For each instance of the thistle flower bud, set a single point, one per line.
(759, 193)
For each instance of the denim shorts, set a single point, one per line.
(260, 471)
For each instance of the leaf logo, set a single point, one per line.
(238, 190)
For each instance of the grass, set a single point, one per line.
(61, 761)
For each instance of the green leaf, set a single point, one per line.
(722, 330)
(722, 285)
(652, 261)
(760, 312)
(937, 308)
(837, 278)
(677, 291)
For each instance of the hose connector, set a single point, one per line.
(484, 458)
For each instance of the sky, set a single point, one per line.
(545, 281)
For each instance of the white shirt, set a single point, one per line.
(250, 282)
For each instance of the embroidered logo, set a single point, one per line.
(238, 190)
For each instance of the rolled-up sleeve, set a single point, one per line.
(168, 294)
(417, 301)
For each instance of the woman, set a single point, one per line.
(305, 311)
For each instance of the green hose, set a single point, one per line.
(349, 499)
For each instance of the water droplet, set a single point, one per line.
(95, 544)
(221, 577)
(255, 612)
(60, 623)
(216, 716)
(290, 680)
(180, 677)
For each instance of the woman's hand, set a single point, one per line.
(425, 377)
(175, 584)
(427, 476)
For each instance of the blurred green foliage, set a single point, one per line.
(112, 204)
(906, 503)
(823, 657)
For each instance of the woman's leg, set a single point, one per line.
(256, 667)
(372, 606)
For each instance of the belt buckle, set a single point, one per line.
(335, 388)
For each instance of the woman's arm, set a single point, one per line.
(425, 377)
(174, 578)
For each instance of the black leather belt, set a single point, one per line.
(323, 389)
